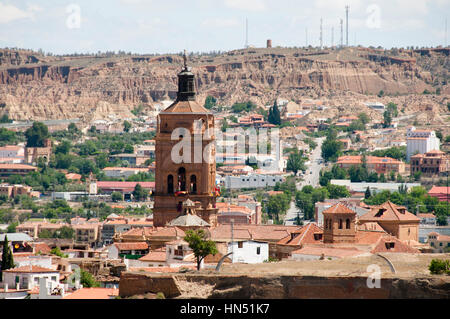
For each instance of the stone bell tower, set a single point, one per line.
(188, 170)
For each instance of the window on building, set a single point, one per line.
(240, 244)
(258, 250)
(340, 223)
(182, 179)
(347, 223)
(53, 278)
(390, 245)
(170, 184)
(193, 184)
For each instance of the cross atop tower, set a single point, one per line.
(185, 60)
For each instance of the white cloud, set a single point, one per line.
(10, 13)
(249, 5)
(220, 23)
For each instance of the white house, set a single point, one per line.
(178, 253)
(420, 141)
(248, 251)
(28, 276)
(119, 250)
(252, 181)
(41, 261)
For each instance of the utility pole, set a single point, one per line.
(332, 36)
(346, 21)
(246, 33)
(232, 240)
(306, 34)
(342, 33)
(321, 33)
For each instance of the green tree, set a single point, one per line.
(337, 191)
(73, 129)
(367, 194)
(392, 108)
(363, 118)
(126, 126)
(210, 102)
(36, 135)
(295, 162)
(278, 205)
(116, 197)
(63, 147)
(12, 227)
(200, 244)
(140, 193)
(439, 266)
(387, 119)
(274, 115)
(87, 279)
(7, 256)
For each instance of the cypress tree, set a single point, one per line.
(7, 257)
(368, 193)
(274, 115)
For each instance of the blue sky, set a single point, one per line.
(162, 26)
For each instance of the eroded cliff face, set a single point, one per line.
(281, 287)
(43, 87)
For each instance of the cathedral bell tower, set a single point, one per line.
(188, 170)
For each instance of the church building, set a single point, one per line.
(185, 172)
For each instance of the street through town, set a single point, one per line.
(311, 177)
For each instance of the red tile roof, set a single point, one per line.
(328, 252)
(399, 247)
(32, 269)
(131, 246)
(304, 235)
(388, 211)
(93, 293)
(339, 208)
(155, 255)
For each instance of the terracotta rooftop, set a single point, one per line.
(388, 211)
(390, 244)
(304, 235)
(185, 107)
(167, 232)
(93, 293)
(338, 208)
(155, 255)
(131, 246)
(32, 269)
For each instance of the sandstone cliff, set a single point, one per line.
(41, 87)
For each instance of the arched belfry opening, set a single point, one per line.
(193, 185)
(170, 184)
(181, 179)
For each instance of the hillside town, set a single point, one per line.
(84, 205)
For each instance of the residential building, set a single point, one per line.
(376, 164)
(439, 243)
(440, 192)
(394, 219)
(132, 159)
(361, 187)
(427, 219)
(248, 251)
(128, 250)
(252, 181)
(87, 233)
(126, 188)
(11, 154)
(15, 169)
(29, 276)
(430, 163)
(420, 142)
(239, 214)
(123, 171)
(15, 190)
(32, 154)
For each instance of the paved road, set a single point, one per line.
(311, 178)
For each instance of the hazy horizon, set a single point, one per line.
(168, 27)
